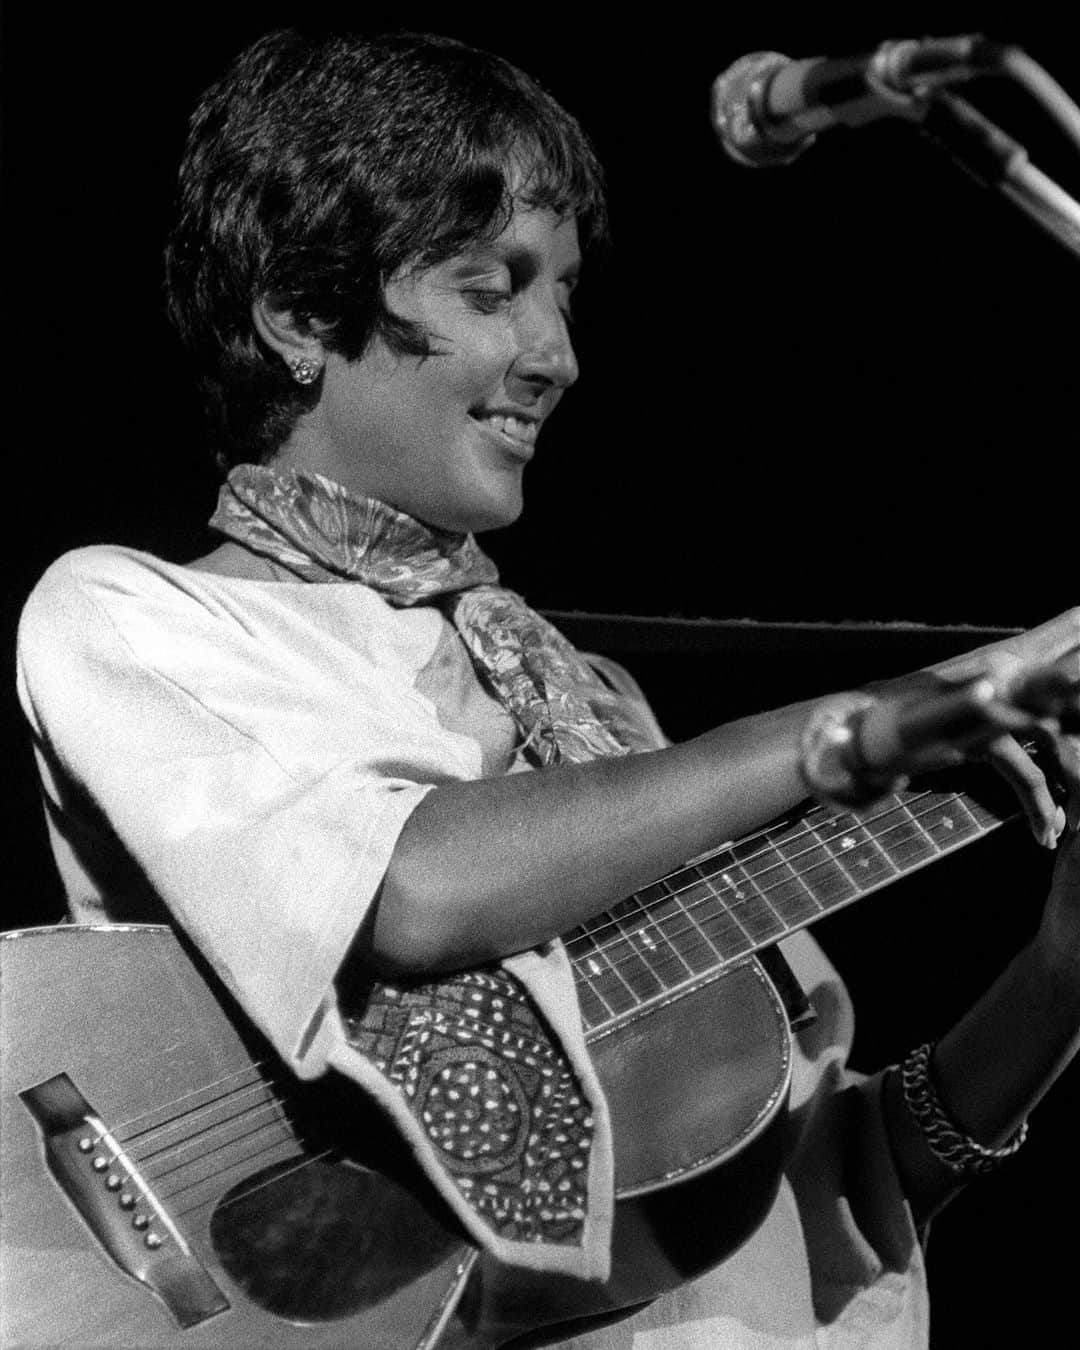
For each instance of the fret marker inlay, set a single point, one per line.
(750, 894)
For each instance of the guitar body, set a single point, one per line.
(697, 1090)
(264, 1243)
(127, 1017)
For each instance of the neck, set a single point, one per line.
(744, 897)
(231, 559)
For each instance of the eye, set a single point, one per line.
(487, 300)
(566, 302)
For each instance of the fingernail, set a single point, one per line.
(1055, 829)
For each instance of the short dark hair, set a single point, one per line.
(317, 168)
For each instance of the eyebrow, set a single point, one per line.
(486, 255)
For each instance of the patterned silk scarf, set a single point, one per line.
(320, 532)
(485, 1072)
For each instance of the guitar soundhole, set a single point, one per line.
(323, 1241)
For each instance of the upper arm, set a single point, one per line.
(263, 820)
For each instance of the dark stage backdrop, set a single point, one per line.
(839, 391)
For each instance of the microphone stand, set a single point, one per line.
(996, 160)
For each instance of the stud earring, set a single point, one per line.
(304, 370)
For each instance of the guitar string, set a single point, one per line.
(769, 851)
(716, 893)
(307, 1161)
(204, 1160)
(124, 1133)
(807, 832)
(162, 1159)
(914, 817)
(285, 1134)
(117, 1130)
(719, 893)
(187, 1139)
(613, 923)
(902, 800)
(154, 1142)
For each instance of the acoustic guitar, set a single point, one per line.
(165, 1184)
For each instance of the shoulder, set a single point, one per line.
(89, 590)
(99, 570)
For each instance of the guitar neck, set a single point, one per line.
(744, 897)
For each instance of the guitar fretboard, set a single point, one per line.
(748, 895)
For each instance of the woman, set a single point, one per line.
(316, 746)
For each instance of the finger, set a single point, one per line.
(1057, 638)
(1058, 755)
(1028, 781)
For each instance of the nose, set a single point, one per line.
(545, 356)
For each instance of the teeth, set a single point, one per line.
(514, 427)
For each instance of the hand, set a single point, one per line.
(1008, 664)
(1059, 931)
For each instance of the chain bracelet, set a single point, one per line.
(961, 1154)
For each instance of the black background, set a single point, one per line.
(838, 391)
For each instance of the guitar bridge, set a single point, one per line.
(104, 1185)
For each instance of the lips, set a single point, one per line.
(518, 432)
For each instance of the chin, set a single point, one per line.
(494, 512)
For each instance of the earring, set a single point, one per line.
(304, 370)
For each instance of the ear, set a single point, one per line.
(282, 334)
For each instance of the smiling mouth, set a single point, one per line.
(517, 433)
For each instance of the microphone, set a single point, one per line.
(767, 109)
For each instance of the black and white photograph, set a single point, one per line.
(542, 715)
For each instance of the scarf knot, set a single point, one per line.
(319, 531)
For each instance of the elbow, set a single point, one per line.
(418, 930)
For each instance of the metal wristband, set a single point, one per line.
(830, 760)
(961, 1154)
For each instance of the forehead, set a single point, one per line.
(535, 237)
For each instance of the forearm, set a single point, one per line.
(486, 868)
(991, 1068)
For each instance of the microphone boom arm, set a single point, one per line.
(997, 160)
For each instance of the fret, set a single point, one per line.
(899, 831)
(599, 975)
(707, 904)
(629, 939)
(947, 820)
(983, 817)
(855, 849)
(653, 915)
(593, 1009)
(743, 898)
(749, 894)
(800, 879)
(685, 942)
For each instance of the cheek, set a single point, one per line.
(476, 361)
